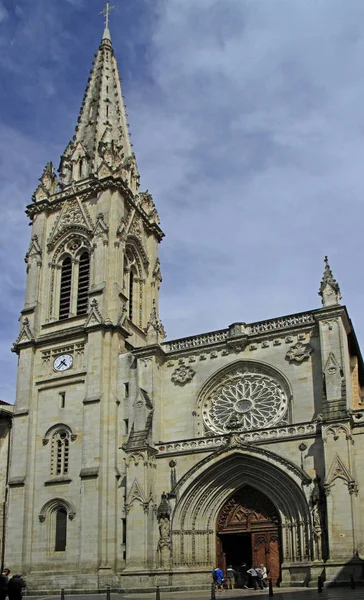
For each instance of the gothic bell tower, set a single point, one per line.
(93, 278)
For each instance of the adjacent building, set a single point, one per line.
(6, 413)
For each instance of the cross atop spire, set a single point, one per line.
(106, 12)
(329, 288)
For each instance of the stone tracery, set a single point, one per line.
(248, 397)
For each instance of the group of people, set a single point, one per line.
(255, 576)
(11, 587)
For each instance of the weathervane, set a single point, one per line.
(106, 12)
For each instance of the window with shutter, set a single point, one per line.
(83, 283)
(65, 292)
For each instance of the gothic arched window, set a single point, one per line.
(133, 285)
(55, 514)
(61, 530)
(66, 286)
(83, 283)
(74, 281)
(60, 452)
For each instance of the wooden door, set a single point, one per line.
(265, 546)
(220, 555)
(250, 512)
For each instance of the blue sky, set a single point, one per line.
(247, 121)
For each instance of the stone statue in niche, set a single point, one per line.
(318, 520)
(164, 530)
(164, 548)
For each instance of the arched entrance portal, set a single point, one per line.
(248, 530)
(282, 491)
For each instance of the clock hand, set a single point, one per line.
(63, 362)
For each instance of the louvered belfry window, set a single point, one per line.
(131, 290)
(83, 283)
(61, 530)
(75, 283)
(65, 295)
(60, 452)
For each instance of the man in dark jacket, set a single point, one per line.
(243, 575)
(4, 579)
(15, 587)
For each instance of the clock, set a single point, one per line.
(63, 362)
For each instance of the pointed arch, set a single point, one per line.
(53, 428)
(134, 280)
(60, 437)
(203, 491)
(51, 506)
(134, 242)
(70, 279)
(135, 494)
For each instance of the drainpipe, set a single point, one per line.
(6, 494)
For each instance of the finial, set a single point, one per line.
(329, 288)
(154, 330)
(106, 12)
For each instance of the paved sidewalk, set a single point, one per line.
(336, 593)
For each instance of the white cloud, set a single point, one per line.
(268, 99)
(4, 15)
(76, 3)
(248, 127)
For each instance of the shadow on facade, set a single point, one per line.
(352, 573)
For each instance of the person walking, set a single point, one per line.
(262, 574)
(217, 577)
(15, 587)
(255, 578)
(4, 580)
(243, 576)
(230, 577)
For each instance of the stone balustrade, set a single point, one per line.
(255, 436)
(222, 335)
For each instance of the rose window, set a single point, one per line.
(246, 401)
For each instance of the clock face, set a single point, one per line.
(63, 362)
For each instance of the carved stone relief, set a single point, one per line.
(339, 470)
(299, 352)
(333, 378)
(182, 375)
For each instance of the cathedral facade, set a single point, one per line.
(137, 462)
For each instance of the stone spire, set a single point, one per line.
(329, 288)
(155, 330)
(101, 145)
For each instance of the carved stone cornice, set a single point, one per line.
(71, 333)
(151, 351)
(330, 313)
(257, 437)
(90, 189)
